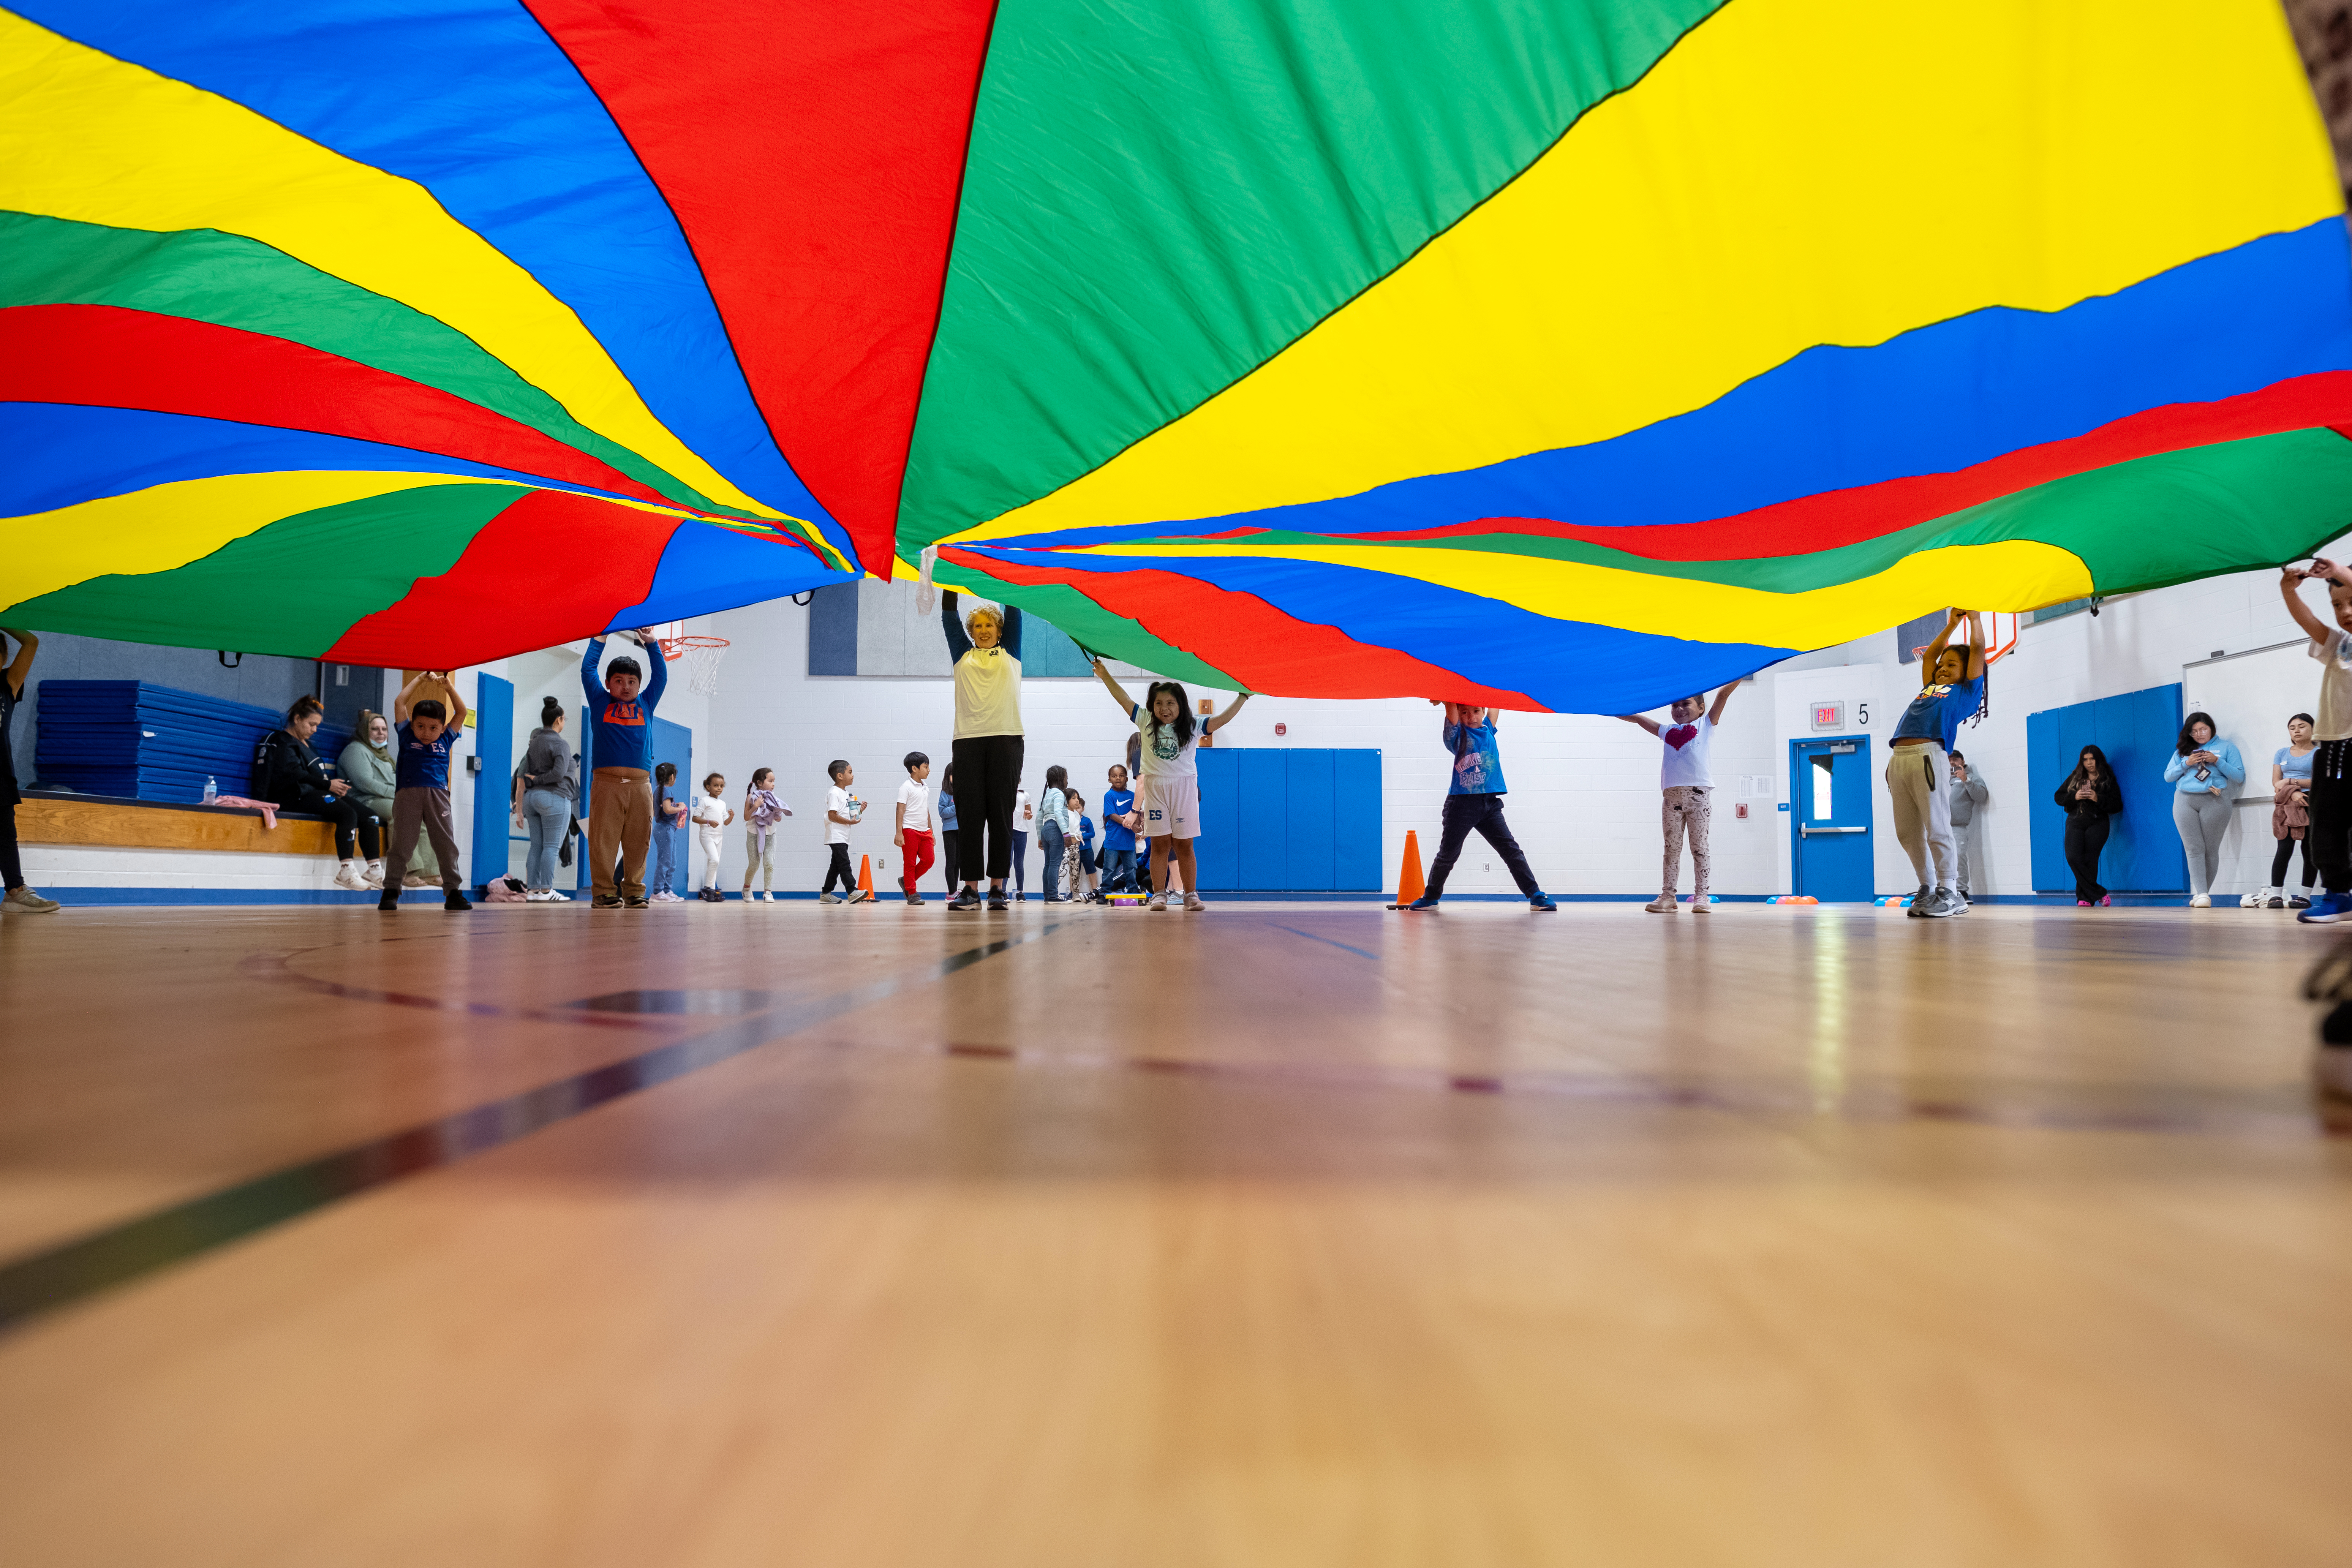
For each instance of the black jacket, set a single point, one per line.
(286, 769)
(2110, 801)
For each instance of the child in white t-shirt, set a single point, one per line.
(1169, 793)
(1689, 786)
(712, 815)
(842, 812)
(913, 834)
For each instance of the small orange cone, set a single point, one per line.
(866, 878)
(1409, 883)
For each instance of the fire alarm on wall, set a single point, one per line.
(1282, 729)
(1741, 811)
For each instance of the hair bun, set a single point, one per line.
(550, 710)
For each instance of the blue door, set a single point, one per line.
(1830, 790)
(671, 742)
(494, 782)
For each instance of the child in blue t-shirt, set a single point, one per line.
(420, 796)
(1121, 820)
(1475, 800)
(1918, 766)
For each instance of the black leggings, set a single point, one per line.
(2087, 835)
(12, 864)
(2279, 860)
(350, 821)
(988, 775)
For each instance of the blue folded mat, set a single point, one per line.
(128, 737)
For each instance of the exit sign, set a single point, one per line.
(1829, 716)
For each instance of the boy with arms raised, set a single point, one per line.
(621, 791)
(420, 796)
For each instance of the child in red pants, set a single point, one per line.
(913, 836)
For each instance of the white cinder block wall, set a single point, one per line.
(1584, 790)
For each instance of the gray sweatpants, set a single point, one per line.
(429, 809)
(1919, 780)
(1964, 835)
(2201, 818)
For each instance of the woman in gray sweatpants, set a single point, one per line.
(2205, 773)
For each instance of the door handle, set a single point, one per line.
(1809, 832)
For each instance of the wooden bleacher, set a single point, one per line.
(107, 822)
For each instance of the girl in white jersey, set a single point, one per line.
(1168, 794)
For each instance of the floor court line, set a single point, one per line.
(57, 1277)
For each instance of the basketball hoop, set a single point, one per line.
(696, 658)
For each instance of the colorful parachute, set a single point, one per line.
(1571, 354)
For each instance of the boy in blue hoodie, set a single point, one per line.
(621, 791)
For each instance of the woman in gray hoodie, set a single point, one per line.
(547, 792)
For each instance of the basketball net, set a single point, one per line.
(696, 657)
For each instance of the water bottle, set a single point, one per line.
(212, 790)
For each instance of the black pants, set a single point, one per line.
(2286, 852)
(2331, 814)
(988, 775)
(350, 821)
(840, 868)
(1484, 813)
(12, 864)
(2085, 837)
(949, 863)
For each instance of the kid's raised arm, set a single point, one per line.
(1217, 722)
(406, 700)
(1722, 700)
(2291, 580)
(1648, 723)
(1117, 692)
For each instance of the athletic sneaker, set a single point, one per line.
(664, 897)
(1159, 904)
(996, 901)
(861, 897)
(24, 901)
(636, 904)
(2201, 901)
(2326, 910)
(1917, 908)
(965, 899)
(1542, 905)
(374, 874)
(914, 898)
(828, 897)
(1426, 904)
(1664, 904)
(1022, 897)
(348, 878)
(1941, 903)
(1702, 903)
(1193, 904)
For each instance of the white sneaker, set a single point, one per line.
(1193, 904)
(767, 898)
(666, 896)
(828, 897)
(2201, 901)
(1702, 903)
(24, 901)
(1664, 904)
(348, 878)
(374, 874)
(1159, 904)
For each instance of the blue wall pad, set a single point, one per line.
(151, 743)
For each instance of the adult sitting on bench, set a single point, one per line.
(288, 773)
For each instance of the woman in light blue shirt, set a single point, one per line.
(2204, 772)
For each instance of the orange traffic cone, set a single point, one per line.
(865, 878)
(1409, 883)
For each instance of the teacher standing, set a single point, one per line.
(988, 744)
(2204, 772)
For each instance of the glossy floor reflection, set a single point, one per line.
(1274, 1235)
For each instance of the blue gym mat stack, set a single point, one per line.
(129, 739)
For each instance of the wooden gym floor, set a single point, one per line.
(1278, 1235)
